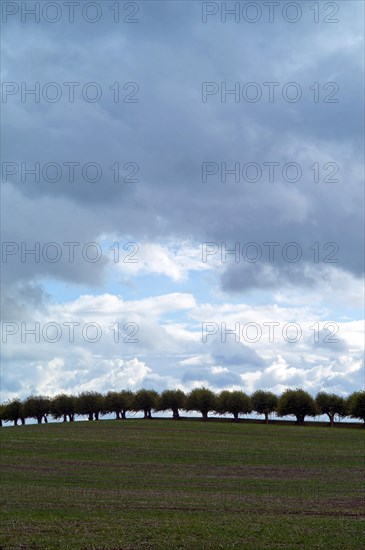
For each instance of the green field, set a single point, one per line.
(164, 484)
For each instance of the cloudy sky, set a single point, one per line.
(190, 182)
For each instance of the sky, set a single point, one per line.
(182, 196)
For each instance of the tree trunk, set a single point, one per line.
(45, 419)
(235, 416)
(145, 412)
(91, 416)
(205, 415)
(71, 417)
(123, 415)
(175, 414)
(39, 419)
(332, 420)
(266, 418)
(65, 417)
(117, 415)
(96, 415)
(16, 422)
(23, 421)
(300, 419)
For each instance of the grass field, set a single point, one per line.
(164, 484)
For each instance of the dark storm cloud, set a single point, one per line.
(170, 132)
(19, 301)
(246, 276)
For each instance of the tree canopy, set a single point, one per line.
(173, 400)
(330, 404)
(298, 403)
(202, 400)
(356, 405)
(292, 402)
(234, 402)
(264, 402)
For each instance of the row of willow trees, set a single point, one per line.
(93, 405)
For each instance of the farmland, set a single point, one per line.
(161, 484)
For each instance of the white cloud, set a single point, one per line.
(172, 259)
(167, 351)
